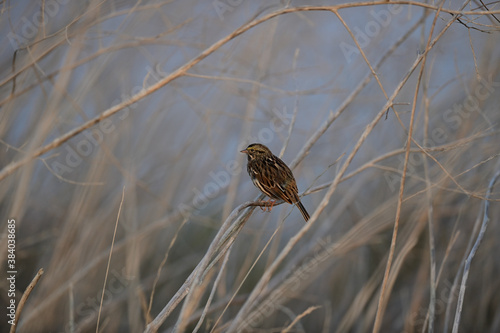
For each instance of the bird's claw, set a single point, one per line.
(268, 205)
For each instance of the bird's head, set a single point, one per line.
(256, 150)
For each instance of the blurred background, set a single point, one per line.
(174, 155)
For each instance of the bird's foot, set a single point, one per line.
(268, 205)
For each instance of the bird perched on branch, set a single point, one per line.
(272, 176)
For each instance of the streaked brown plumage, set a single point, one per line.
(272, 176)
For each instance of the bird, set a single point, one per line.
(272, 176)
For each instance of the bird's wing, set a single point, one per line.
(277, 179)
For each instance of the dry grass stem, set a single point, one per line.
(387, 113)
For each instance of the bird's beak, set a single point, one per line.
(244, 151)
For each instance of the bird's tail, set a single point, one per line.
(302, 209)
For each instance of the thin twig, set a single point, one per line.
(212, 292)
(158, 273)
(24, 298)
(480, 236)
(430, 210)
(484, 5)
(109, 259)
(61, 178)
(299, 317)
